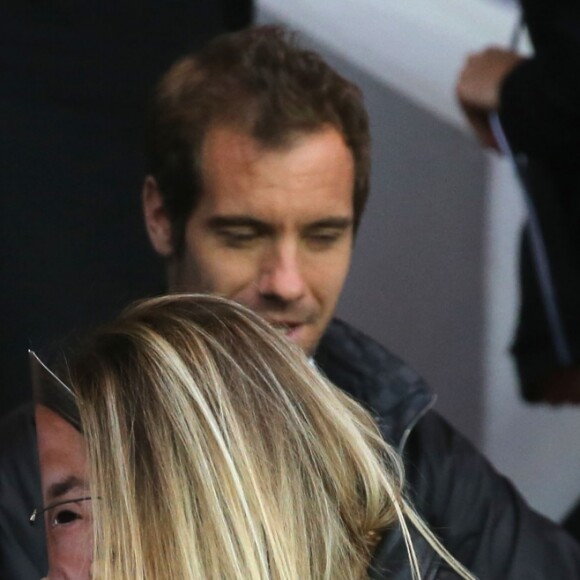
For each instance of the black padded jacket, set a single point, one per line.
(477, 513)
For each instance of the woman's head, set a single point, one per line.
(216, 450)
(207, 433)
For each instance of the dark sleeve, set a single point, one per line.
(22, 547)
(478, 514)
(540, 99)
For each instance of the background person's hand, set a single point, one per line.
(479, 86)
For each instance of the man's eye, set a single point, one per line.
(239, 237)
(64, 516)
(324, 239)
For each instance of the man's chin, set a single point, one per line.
(302, 336)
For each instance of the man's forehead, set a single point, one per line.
(241, 142)
(239, 211)
(62, 454)
(51, 425)
(312, 179)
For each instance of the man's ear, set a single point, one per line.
(156, 219)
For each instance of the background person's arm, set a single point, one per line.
(538, 99)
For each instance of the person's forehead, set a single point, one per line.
(53, 430)
(233, 144)
(311, 176)
(61, 448)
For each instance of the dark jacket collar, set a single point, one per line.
(398, 397)
(393, 392)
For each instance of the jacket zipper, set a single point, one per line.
(413, 422)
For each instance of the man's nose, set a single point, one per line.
(281, 276)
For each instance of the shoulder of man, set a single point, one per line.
(360, 366)
(478, 514)
(22, 547)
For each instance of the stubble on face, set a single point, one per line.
(273, 229)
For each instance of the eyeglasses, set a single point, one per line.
(36, 513)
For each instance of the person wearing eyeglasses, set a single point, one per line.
(66, 496)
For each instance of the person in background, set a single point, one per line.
(213, 460)
(537, 100)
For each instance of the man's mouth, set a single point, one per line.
(290, 329)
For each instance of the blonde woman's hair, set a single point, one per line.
(217, 451)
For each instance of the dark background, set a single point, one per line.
(75, 79)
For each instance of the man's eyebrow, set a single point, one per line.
(219, 222)
(225, 221)
(339, 223)
(60, 488)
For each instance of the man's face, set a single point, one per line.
(63, 467)
(273, 229)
